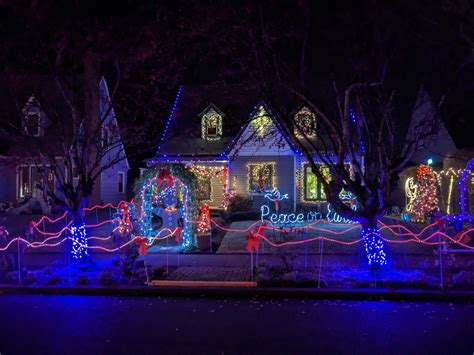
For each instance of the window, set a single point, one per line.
(313, 187)
(203, 188)
(31, 182)
(260, 177)
(211, 124)
(305, 122)
(121, 182)
(32, 124)
(23, 181)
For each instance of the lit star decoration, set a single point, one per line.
(374, 246)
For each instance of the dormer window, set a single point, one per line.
(32, 124)
(211, 123)
(305, 123)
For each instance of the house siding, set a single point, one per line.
(109, 184)
(284, 176)
(7, 184)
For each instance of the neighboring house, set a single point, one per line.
(256, 158)
(19, 177)
(447, 152)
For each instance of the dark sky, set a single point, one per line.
(230, 44)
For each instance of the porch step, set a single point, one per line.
(170, 283)
(215, 212)
(210, 274)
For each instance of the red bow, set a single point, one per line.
(164, 174)
(253, 238)
(252, 241)
(177, 234)
(142, 245)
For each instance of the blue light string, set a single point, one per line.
(354, 120)
(170, 118)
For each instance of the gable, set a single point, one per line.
(108, 117)
(261, 136)
(437, 146)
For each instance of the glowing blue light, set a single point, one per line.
(170, 118)
(79, 241)
(374, 246)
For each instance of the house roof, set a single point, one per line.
(17, 92)
(237, 106)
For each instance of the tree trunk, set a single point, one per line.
(79, 236)
(373, 242)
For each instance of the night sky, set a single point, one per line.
(151, 47)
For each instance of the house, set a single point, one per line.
(241, 147)
(447, 152)
(26, 125)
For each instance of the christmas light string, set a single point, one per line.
(170, 118)
(414, 237)
(287, 243)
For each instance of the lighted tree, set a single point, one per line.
(204, 223)
(426, 199)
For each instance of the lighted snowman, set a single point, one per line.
(165, 212)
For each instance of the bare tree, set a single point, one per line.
(358, 121)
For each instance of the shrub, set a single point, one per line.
(240, 203)
(54, 280)
(106, 278)
(30, 278)
(159, 273)
(82, 280)
(244, 216)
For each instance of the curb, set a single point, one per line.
(246, 292)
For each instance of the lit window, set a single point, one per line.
(313, 187)
(121, 182)
(260, 177)
(211, 124)
(203, 188)
(305, 122)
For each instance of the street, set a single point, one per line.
(36, 324)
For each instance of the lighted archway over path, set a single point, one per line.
(169, 189)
